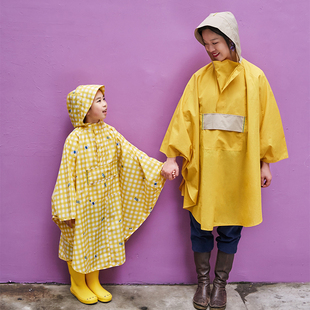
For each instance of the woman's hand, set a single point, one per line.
(265, 173)
(70, 223)
(170, 169)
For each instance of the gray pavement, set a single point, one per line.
(241, 296)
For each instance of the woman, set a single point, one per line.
(228, 129)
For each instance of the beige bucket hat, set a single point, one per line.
(225, 22)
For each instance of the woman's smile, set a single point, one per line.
(215, 45)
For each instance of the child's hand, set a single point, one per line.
(70, 223)
(170, 169)
(265, 174)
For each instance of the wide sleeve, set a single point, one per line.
(141, 183)
(148, 167)
(64, 196)
(272, 140)
(182, 139)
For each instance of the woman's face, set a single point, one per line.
(215, 45)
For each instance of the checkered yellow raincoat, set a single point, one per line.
(106, 184)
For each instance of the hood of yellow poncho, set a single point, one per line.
(225, 22)
(79, 102)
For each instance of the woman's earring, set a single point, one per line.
(232, 46)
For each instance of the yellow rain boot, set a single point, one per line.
(92, 280)
(79, 288)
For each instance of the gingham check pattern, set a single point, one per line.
(109, 187)
(79, 102)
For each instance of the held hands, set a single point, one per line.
(265, 174)
(170, 169)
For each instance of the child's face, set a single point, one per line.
(98, 110)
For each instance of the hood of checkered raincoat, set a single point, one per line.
(79, 102)
(225, 22)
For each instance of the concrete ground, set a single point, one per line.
(241, 296)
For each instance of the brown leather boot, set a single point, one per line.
(223, 267)
(202, 296)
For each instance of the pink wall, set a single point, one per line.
(144, 52)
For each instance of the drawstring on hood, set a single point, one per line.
(225, 22)
(79, 102)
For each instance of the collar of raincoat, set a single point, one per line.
(226, 71)
(226, 22)
(79, 102)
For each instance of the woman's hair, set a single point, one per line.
(228, 41)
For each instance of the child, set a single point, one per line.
(227, 128)
(105, 190)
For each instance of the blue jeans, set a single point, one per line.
(203, 240)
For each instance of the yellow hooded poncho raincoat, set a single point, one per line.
(106, 184)
(226, 122)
